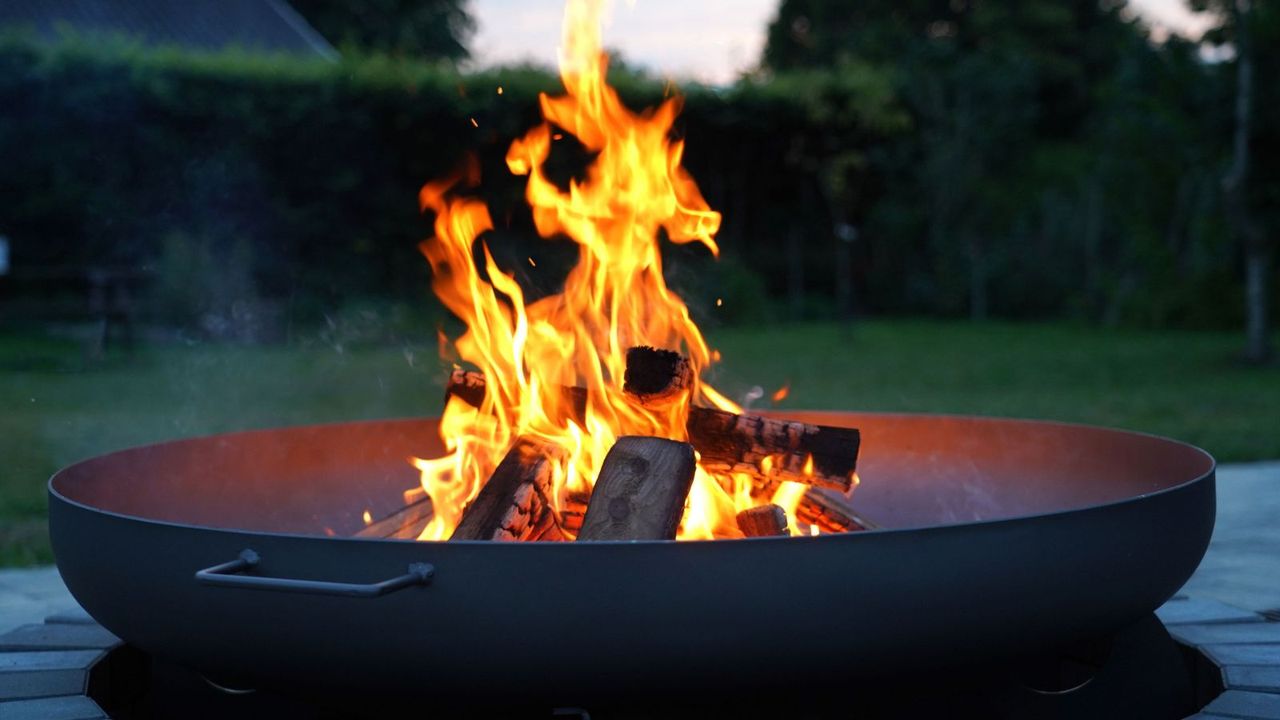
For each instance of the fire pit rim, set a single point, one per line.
(781, 414)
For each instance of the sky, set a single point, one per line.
(710, 41)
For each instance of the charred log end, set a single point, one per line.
(466, 385)
(654, 377)
(763, 521)
(641, 490)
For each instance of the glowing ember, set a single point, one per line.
(781, 393)
(615, 298)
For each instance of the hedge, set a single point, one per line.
(293, 181)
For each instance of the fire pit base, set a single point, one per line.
(1192, 655)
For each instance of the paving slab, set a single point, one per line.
(75, 707)
(25, 675)
(1260, 654)
(1240, 703)
(1242, 566)
(64, 637)
(29, 595)
(73, 616)
(40, 583)
(1195, 611)
(1253, 677)
(1217, 634)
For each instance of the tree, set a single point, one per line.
(983, 83)
(1241, 185)
(422, 29)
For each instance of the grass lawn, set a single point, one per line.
(1185, 385)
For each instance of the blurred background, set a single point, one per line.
(1062, 209)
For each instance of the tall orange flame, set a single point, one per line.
(613, 299)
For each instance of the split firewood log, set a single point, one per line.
(763, 521)
(830, 512)
(407, 523)
(515, 502)
(641, 490)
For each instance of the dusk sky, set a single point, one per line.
(707, 40)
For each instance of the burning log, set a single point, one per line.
(830, 512)
(763, 521)
(407, 523)
(469, 387)
(773, 451)
(514, 504)
(656, 378)
(641, 490)
(770, 451)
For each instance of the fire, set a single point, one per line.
(613, 299)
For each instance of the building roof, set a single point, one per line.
(265, 25)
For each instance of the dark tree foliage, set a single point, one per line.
(1055, 158)
(422, 29)
(1055, 51)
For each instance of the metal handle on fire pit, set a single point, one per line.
(227, 575)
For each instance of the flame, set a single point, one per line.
(613, 299)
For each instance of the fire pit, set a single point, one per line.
(578, 447)
(999, 538)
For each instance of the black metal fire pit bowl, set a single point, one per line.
(1001, 539)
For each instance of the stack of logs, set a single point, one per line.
(644, 481)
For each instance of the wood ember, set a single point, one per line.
(763, 521)
(407, 523)
(657, 378)
(745, 443)
(512, 504)
(830, 512)
(641, 490)
(574, 509)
